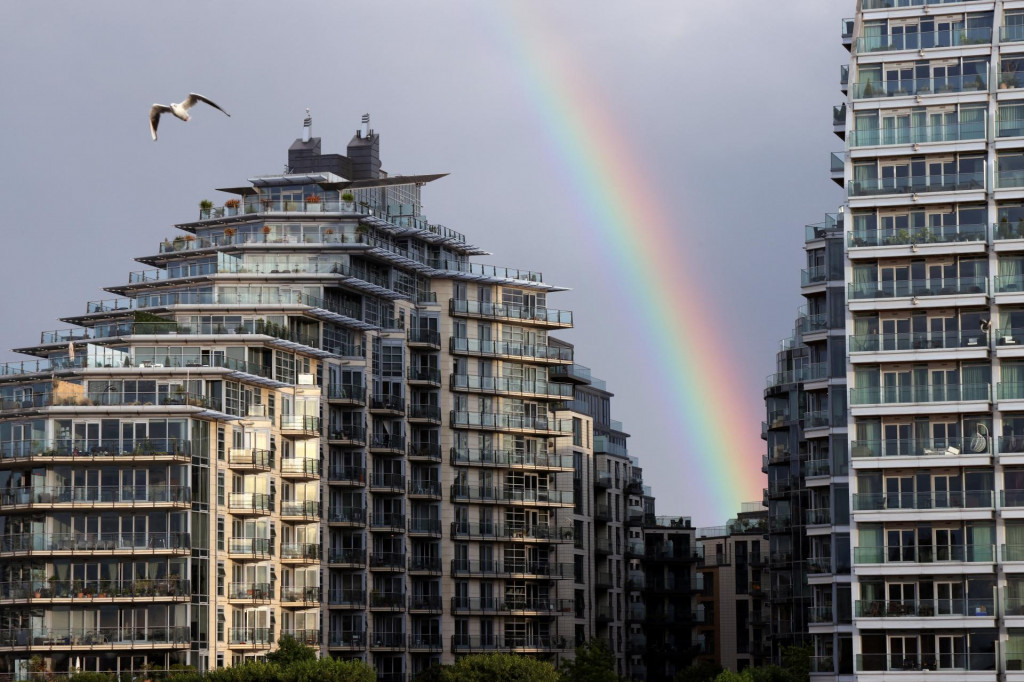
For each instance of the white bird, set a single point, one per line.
(179, 110)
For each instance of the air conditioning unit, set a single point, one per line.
(306, 380)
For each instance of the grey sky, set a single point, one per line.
(728, 102)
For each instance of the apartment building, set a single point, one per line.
(256, 438)
(933, 168)
(731, 617)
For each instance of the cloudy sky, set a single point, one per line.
(724, 107)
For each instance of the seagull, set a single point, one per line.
(179, 110)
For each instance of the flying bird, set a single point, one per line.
(179, 110)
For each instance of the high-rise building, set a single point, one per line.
(257, 439)
(731, 616)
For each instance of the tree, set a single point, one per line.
(797, 662)
(698, 671)
(290, 650)
(499, 668)
(594, 662)
(328, 670)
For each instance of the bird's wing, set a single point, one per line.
(193, 98)
(154, 117)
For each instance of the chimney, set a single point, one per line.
(364, 152)
(307, 127)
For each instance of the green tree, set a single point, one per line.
(594, 662)
(328, 670)
(499, 668)
(698, 671)
(797, 662)
(290, 650)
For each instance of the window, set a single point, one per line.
(220, 488)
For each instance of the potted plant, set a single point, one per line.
(229, 232)
(190, 238)
(231, 206)
(205, 206)
(348, 197)
(266, 232)
(77, 588)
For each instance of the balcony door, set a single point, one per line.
(898, 439)
(900, 544)
(899, 492)
(904, 652)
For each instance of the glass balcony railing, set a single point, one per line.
(813, 275)
(951, 499)
(86, 542)
(957, 132)
(925, 184)
(43, 495)
(510, 458)
(910, 662)
(923, 608)
(918, 235)
(893, 4)
(839, 115)
(118, 637)
(94, 589)
(920, 86)
(837, 162)
(924, 40)
(913, 447)
(511, 385)
(511, 311)
(484, 493)
(918, 287)
(880, 343)
(925, 554)
(500, 421)
(928, 393)
(1011, 34)
(511, 349)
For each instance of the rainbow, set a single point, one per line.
(716, 439)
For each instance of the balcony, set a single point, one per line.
(346, 475)
(425, 564)
(912, 448)
(96, 496)
(250, 460)
(300, 425)
(427, 451)
(424, 375)
(540, 316)
(512, 386)
(511, 568)
(65, 451)
(300, 510)
(394, 523)
(309, 637)
(250, 638)
(114, 542)
(813, 275)
(493, 531)
(387, 404)
(426, 641)
(910, 87)
(346, 394)
(424, 338)
(922, 184)
(300, 469)
(924, 40)
(388, 443)
(424, 526)
(954, 663)
(575, 374)
(300, 552)
(921, 341)
(523, 606)
(355, 599)
(346, 434)
(512, 495)
(511, 350)
(933, 501)
(303, 596)
(46, 591)
(347, 639)
(425, 413)
(256, 592)
(523, 644)
(347, 516)
(426, 489)
(510, 422)
(929, 393)
(256, 549)
(918, 236)
(511, 459)
(919, 288)
(924, 555)
(818, 517)
(138, 638)
(387, 483)
(346, 557)
(249, 504)
(924, 608)
(387, 601)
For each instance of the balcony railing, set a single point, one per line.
(308, 594)
(918, 235)
(510, 385)
(94, 589)
(924, 40)
(954, 499)
(951, 286)
(511, 349)
(254, 636)
(44, 495)
(923, 608)
(346, 515)
(541, 315)
(920, 86)
(300, 550)
(510, 458)
(254, 591)
(299, 422)
(386, 481)
(83, 448)
(254, 546)
(496, 604)
(346, 556)
(349, 432)
(337, 473)
(304, 508)
(875, 343)
(923, 447)
(346, 598)
(300, 467)
(86, 542)
(955, 132)
(955, 662)
(500, 421)
(94, 636)
(352, 392)
(485, 493)
(929, 393)
(259, 503)
(925, 555)
(921, 184)
(496, 643)
(500, 531)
